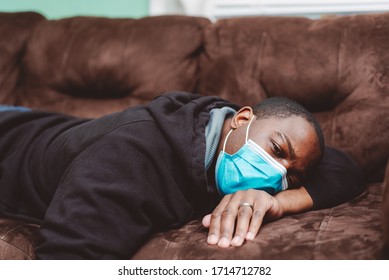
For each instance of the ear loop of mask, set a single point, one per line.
(247, 134)
(248, 127)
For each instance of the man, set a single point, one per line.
(291, 136)
(99, 188)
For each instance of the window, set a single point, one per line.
(308, 8)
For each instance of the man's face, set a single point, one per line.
(291, 141)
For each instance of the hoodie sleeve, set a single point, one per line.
(335, 180)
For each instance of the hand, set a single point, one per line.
(229, 215)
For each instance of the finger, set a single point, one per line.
(256, 221)
(243, 221)
(227, 221)
(214, 223)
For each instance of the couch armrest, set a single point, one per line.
(385, 208)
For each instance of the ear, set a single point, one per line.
(243, 116)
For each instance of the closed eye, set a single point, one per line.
(277, 150)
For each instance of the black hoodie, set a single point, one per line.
(102, 186)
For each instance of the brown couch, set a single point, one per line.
(337, 68)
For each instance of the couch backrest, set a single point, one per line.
(15, 30)
(85, 66)
(92, 66)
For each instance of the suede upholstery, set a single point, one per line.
(336, 67)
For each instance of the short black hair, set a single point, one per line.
(282, 107)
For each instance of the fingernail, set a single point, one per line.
(224, 242)
(236, 241)
(212, 239)
(250, 236)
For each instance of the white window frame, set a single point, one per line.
(309, 8)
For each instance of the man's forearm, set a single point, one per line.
(294, 201)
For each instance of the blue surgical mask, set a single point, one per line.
(251, 167)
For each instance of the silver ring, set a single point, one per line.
(246, 204)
